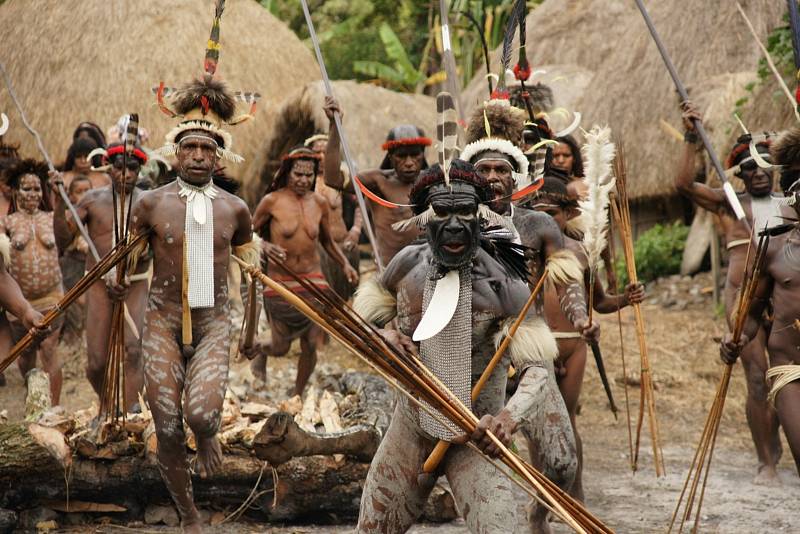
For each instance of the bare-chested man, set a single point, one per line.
(779, 286)
(504, 166)
(187, 330)
(294, 221)
(34, 262)
(405, 158)
(760, 209)
(555, 200)
(96, 211)
(489, 298)
(347, 240)
(73, 266)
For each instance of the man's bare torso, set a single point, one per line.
(163, 211)
(783, 266)
(386, 185)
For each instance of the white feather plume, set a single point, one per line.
(598, 153)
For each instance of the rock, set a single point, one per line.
(28, 519)
(440, 506)
(8, 520)
(155, 514)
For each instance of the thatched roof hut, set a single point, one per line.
(94, 60)
(369, 113)
(604, 48)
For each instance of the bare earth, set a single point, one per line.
(686, 371)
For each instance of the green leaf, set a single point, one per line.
(395, 51)
(378, 70)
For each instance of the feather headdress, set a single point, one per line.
(205, 104)
(598, 154)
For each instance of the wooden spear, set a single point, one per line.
(351, 167)
(730, 194)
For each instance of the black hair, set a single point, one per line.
(460, 170)
(79, 147)
(577, 160)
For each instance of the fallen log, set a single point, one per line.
(111, 471)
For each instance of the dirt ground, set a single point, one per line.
(686, 369)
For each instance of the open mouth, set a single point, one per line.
(454, 248)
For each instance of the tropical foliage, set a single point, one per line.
(397, 43)
(658, 252)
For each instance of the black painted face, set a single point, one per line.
(454, 229)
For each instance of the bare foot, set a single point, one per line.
(209, 456)
(767, 476)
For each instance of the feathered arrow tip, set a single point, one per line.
(213, 46)
(598, 154)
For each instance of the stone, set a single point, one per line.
(155, 514)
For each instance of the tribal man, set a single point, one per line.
(554, 199)
(347, 240)
(34, 262)
(405, 158)
(778, 287)
(73, 265)
(193, 226)
(294, 221)
(760, 209)
(488, 300)
(96, 211)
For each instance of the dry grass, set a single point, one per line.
(94, 60)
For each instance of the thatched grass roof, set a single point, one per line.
(369, 113)
(94, 60)
(603, 48)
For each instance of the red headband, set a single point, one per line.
(408, 141)
(119, 149)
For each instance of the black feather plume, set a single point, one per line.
(508, 41)
(509, 254)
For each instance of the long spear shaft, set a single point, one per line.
(449, 59)
(345, 147)
(730, 194)
(39, 143)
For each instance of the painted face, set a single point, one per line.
(562, 158)
(757, 181)
(453, 231)
(127, 178)
(496, 169)
(407, 161)
(301, 177)
(197, 157)
(77, 189)
(29, 194)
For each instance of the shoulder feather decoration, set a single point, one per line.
(598, 153)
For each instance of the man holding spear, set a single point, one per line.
(387, 187)
(778, 286)
(745, 162)
(96, 211)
